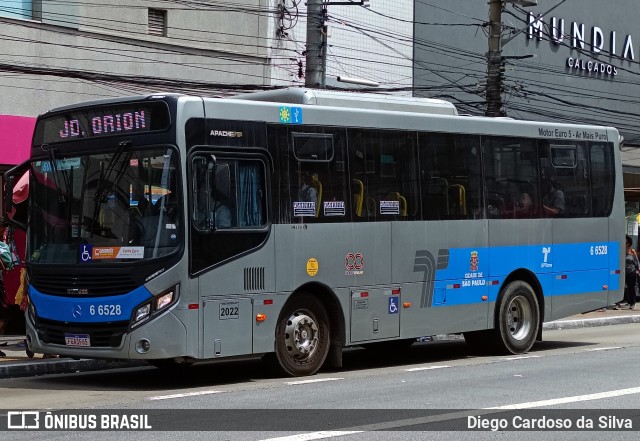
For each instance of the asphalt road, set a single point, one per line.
(589, 372)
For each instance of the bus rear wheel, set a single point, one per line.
(517, 319)
(302, 336)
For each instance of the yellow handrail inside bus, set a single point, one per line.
(403, 202)
(358, 196)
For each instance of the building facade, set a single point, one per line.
(58, 53)
(560, 60)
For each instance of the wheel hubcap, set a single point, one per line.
(519, 318)
(301, 335)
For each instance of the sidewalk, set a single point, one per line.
(16, 363)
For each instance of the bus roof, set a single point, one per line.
(331, 98)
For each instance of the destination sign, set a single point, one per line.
(102, 121)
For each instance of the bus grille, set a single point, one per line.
(101, 335)
(82, 285)
(253, 279)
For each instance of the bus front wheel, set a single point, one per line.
(302, 336)
(517, 319)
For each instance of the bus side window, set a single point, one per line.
(384, 182)
(511, 182)
(567, 176)
(250, 190)
(317, 178)
(602, 178)
(450, 176)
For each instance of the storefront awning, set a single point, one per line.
(15, 138)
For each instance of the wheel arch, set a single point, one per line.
(530, 278)
(332, 305)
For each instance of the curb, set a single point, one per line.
(564, 324)
(591, 322)
(58, 366)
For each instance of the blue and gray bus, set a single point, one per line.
(291, 224)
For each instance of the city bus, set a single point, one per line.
(291, 224)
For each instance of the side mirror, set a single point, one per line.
(12, 178)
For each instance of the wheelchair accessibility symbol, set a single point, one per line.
(86, 252)
(393, 304)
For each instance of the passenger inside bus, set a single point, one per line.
(310, 190)
(524, 207)
(223, 202)
(553, 199)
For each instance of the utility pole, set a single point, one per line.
(315, 71)
(495, 66)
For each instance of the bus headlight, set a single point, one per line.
(164, 299)
(153, 307)
(142, 313)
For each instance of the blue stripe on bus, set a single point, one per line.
(562, 269)
(88, 309)
(568, 269)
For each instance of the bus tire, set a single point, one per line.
(302, 336)
(517, 318)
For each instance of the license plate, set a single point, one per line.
(77, 340)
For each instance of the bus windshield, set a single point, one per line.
(120, 206)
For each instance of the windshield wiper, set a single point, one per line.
(56, 177)
(104, 177)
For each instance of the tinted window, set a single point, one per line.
(228, 207)
(450, 176)
(563, 156)
(602, 178)
(311, 178)
(564, 187)
(511, 178)
(384, 181)
(313, 146)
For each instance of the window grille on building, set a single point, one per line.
(158, 22)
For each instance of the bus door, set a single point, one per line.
(229, 228)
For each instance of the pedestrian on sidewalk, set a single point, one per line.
(6, 260)
(631, 272)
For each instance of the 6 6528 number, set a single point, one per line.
(105, 310)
